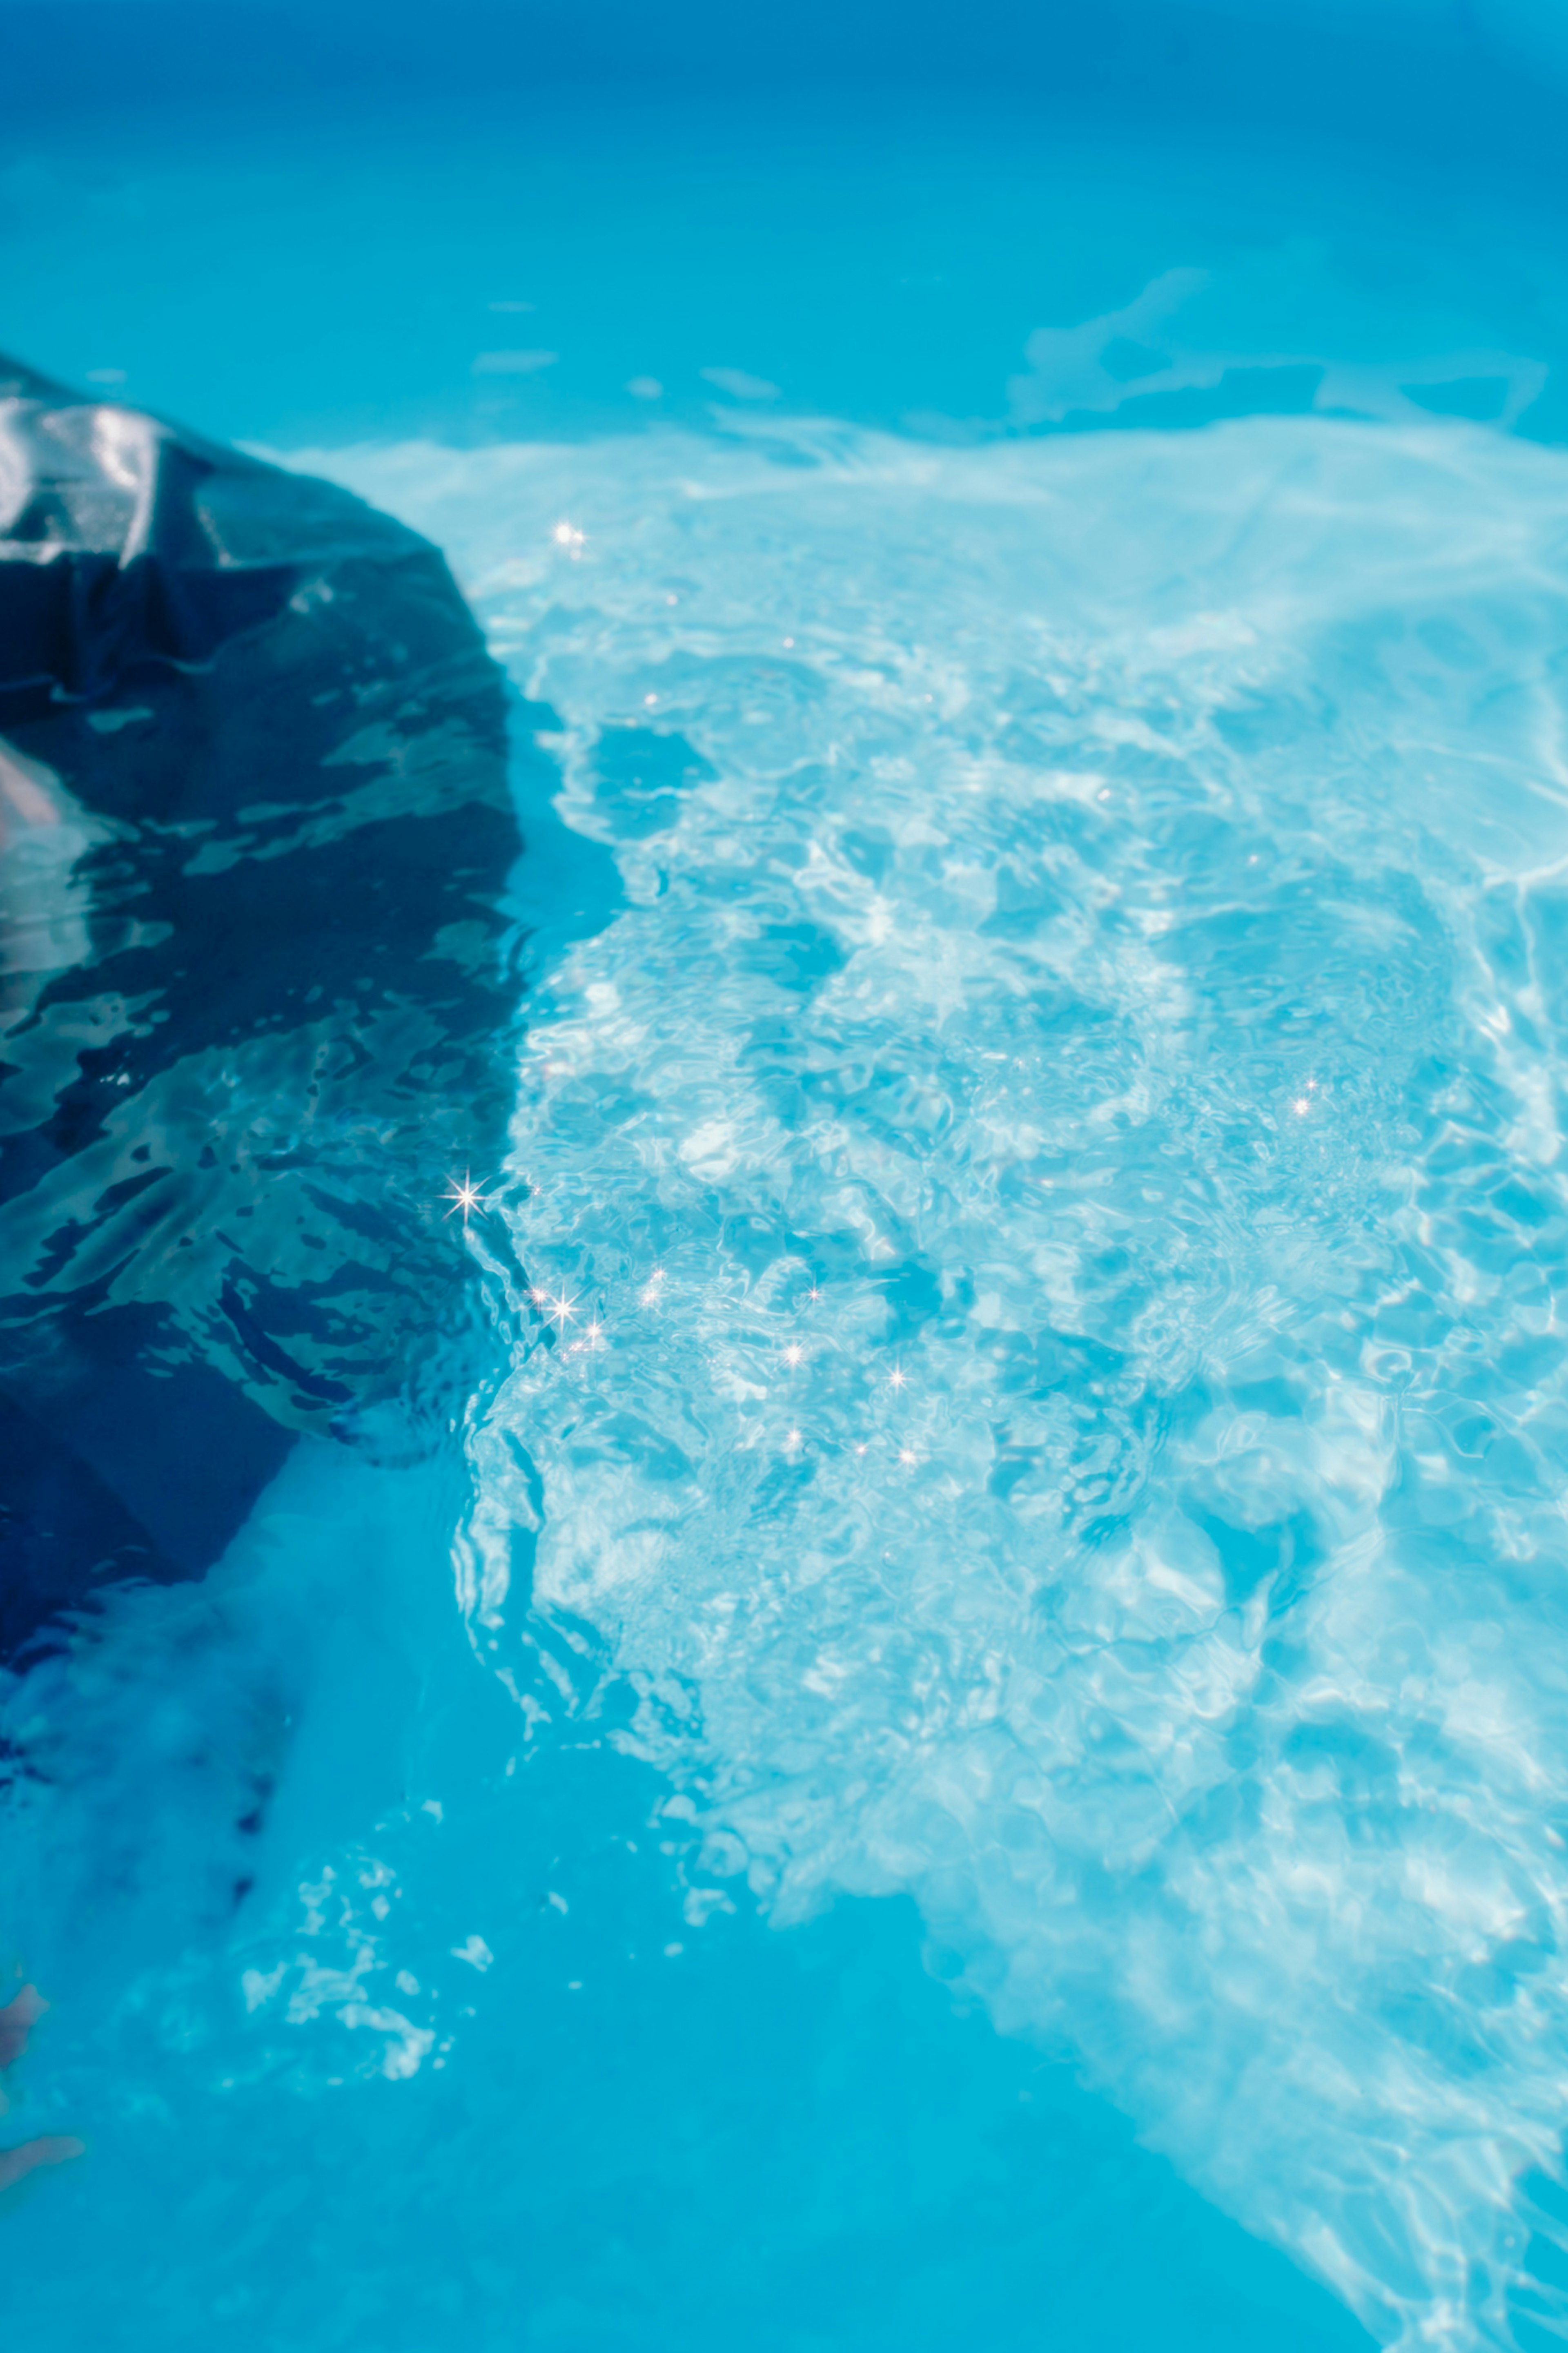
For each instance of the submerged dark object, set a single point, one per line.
(254, 827)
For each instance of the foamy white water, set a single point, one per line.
(1043, 1221)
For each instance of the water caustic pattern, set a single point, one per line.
(1043, 1226)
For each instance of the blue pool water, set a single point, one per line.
(953, 1726)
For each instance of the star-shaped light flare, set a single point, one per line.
(557, 1308)
(465, 1196)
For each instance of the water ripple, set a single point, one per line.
(1045, 1217)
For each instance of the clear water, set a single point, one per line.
(967, 1741)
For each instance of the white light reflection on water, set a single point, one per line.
(1064, 1142)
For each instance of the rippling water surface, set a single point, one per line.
(1043, 1230)
(1023, 1374)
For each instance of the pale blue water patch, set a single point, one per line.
(485, 2055)
(1042, 1223)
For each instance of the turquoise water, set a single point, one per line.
(965, 1739)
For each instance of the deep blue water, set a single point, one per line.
(947, 1724)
